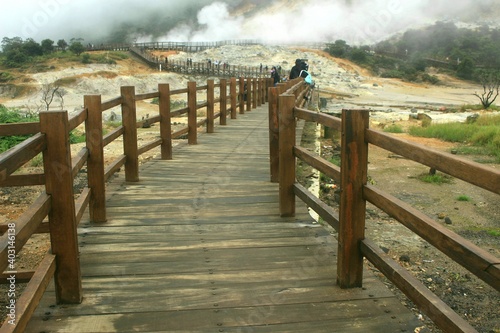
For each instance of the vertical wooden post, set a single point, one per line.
(259, 92)
(223, 102)
(286, 157)
(62, 216)
(249, 94)
(274, 134)
(165, 121)
(255, 90)
(192, 119)
(354, 165)
(95, 161)
(210, 106)
(242, 95)
(129, 119)
(234, 97)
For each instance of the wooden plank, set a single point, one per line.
(383, 316)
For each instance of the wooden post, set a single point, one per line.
(242, 94)
(192, 119)
(165, 121)
(249, 94)
(129, 119)
(286, 157)
(210, 106)
(274, 134)
(62, 215)
(223, 102)
(258, 92)
(234, 97)
(255, 91)
(95, 161)
(354, 165)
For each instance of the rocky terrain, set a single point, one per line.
(342, 85)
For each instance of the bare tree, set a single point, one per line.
(491, 87)
(49, 92)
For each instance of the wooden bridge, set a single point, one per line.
(208, 237)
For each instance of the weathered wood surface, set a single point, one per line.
(197, 245)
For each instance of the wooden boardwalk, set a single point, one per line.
(198, 246)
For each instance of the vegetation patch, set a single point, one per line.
(394, 129)
(8, 116)
(482, 136)
(437, 179)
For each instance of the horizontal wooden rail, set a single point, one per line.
(323, 210)
(114, 166)
(23, 180)
(112, 136)
(179, 91)
(17, 156)
(428, 302)
(469, 171)
(141, 97)
(317, 162)
(462, 251)
(77, 119)
(81, 203)
(25, 226)
(31, 296)
(79, 161)
(19, 129)
(111, 103)
(318, 117)
(148, 146)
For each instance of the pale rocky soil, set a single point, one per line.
(345, 86)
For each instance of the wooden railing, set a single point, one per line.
(356, 192)
(51, 138)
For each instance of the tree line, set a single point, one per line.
(17, 52)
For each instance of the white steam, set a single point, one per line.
(356, 21)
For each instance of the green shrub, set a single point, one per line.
(437, 179)
(394, 129)
(13, 116)
(463, 197)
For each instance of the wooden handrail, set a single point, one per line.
(466, 170)
(355, 192)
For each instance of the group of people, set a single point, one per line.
(300, 69)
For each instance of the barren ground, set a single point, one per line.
(351, 87)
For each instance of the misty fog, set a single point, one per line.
(356, 21)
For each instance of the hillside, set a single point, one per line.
(340, 81)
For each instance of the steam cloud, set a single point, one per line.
(356, 21)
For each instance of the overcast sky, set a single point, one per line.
(361, 22)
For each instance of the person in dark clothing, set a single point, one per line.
(295, 71)
(275, 75)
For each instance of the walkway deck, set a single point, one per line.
(198, 246)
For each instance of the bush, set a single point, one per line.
(8, 117)
(394, 129)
